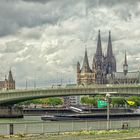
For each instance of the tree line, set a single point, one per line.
(114, 101)
(88, 100)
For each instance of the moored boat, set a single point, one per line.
(90, 116)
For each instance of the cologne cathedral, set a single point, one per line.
(103, 69)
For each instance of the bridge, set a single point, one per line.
(19, 95)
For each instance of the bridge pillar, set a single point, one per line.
(10, 112)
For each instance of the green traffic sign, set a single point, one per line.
(102, 103)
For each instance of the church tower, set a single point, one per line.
(10, 82)
(78, 73)
(98, 61)
(84, 75)
(110, 60)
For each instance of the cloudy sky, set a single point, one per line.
(42, 40)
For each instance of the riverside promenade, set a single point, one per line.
(56, 127)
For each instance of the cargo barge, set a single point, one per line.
(91, 116)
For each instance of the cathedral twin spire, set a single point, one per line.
(109, 49)
(101, 66)
(85, 66)
(99, 46)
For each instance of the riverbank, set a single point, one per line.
(80, 135)
(34, 125)
(51, 111)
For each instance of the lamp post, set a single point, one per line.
(107, 97)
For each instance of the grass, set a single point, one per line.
(80, 135)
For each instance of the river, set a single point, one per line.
(30, 119)
(22, 120)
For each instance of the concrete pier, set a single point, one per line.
(10, 112)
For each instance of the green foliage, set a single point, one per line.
(118, 101)
(35, 101)
(99, 97)
(93, 100)
(84, 100)
(123, 101)
(54, 101)
(88, 100)
(49, 101)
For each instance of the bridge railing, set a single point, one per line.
(107, 88)
(77, 86)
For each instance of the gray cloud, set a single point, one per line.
(38, 1)
(44, 39)
(13, 47)
(18, 14)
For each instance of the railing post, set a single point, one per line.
(98, 127)
(86, 125)
(58, 128)
(11, 129)
(25, 127)
(72, 127)
(110, 124)
(42, 128)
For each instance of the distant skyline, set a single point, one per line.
(42, 40)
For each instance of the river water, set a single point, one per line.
(22, 120)
(37, 119)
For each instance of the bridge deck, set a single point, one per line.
(18, 95)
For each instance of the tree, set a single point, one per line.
(84, 100)
(118, 101)
(88, 100)
(54, 101)
(35, 101)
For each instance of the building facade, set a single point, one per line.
(8, 83)
(103, 69)
(124, 77)
(71, 101)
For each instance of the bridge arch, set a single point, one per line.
(15, 96)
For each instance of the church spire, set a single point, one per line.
(125, 60)
(109, 48)
(99, 45)
(85, 67)
(10, 77)
(125, 65)
(78, 67)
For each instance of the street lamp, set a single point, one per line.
(107, 97)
